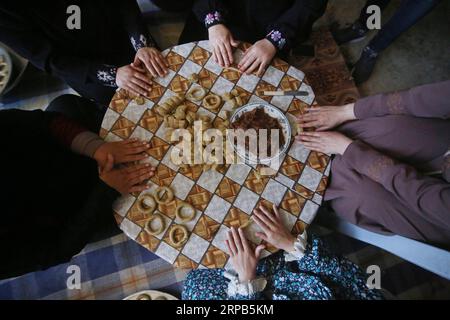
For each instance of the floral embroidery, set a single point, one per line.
(318, 275)
(394, 103)
(107, 76)
(140, 43)
(375, 169)
(276, 37)
(213, 18)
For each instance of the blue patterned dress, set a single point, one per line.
(318, 275)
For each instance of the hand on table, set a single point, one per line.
(258, 57)
(325, 118)
(222, 41)
(274, 232)
(133, 79)
(152, 59)
(123, 151)
(331, 142)
(243, 257)
(126, 180)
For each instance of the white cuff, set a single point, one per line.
(246, 288)
(299, 248)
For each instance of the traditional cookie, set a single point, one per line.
(161, 192)
(212, 102)
(185, 218)
(196, 94)
(139, 100)
(146, 204)
(172, 233)
(193, 78)
(155, 231)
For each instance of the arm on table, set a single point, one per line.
(431, 196)
(428, 101)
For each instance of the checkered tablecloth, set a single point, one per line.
(110, 269)
(225, 197)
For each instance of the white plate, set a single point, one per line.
(153, 294)
(272, 111)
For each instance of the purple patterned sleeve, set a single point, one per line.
(277, 38)
(213, 18)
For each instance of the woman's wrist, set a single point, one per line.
(349, 112)
(289, 245)
(247, 277)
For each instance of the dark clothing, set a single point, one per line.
(408, 13)
(380, 183)
(80, 110)
(253, 20)
(173, 5)
(52, 199)
(87, 59)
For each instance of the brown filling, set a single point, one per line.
(259, 119)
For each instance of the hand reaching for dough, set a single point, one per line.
(243, 257)
(123, 151)
(274, 232)
(221, 41)
(258, 57)
(133, 79)
(126, 180)
(153, 60)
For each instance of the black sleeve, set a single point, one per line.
(283, 32)
(210, 12)
(81, 227)
(135, 26)
(39, 125)
(25, 39)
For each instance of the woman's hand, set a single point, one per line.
(274, 232)
(123, 151)
(325, 118)
(243, 257)
(153, 60)
(126, 180)
(258, 57)
(133, 79)
(222, 41)
(330, 142)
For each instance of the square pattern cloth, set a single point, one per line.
(223, 198)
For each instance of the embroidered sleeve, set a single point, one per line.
(277, 38)
(249, 290)
(300, 246)
(395, 103)
(106, 75)
(141, 41)
(213, 18)
(379, 164)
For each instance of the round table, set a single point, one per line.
(223, 198)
